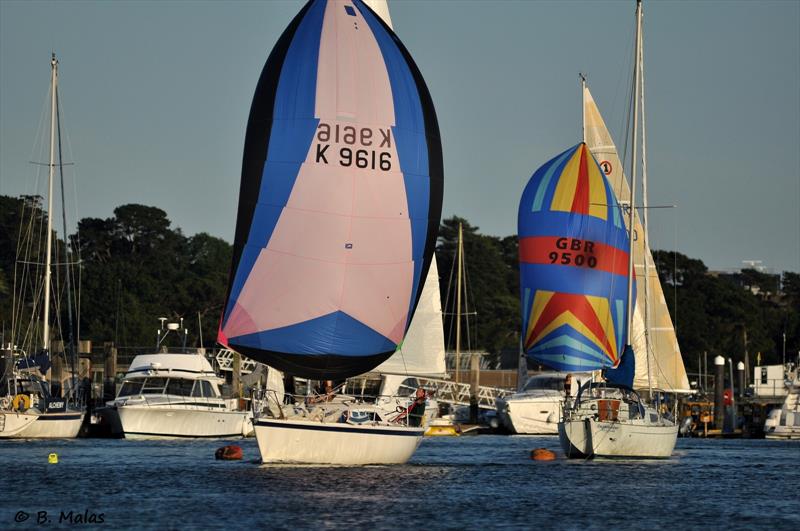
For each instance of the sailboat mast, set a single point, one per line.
(52, 166)
(632, 207)
(458, 300)
(645, 226)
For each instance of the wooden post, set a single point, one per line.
(475, 379)
(110, 373)
(237, 377)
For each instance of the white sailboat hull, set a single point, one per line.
(64, 425)
(12, 423)
(531, 416)
(589, 437)
(334, 443)
(153, 422)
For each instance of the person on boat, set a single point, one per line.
(416, 410)
(327, 396)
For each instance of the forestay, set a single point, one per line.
(666, 364)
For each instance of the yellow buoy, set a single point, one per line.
(542, 454)
(52, 458)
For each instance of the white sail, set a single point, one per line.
(422, 351)
(381, 9)
(666, 364)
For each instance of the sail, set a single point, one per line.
(381, 8)
(422, 351)
(667, 371)
(340, 198)
(573, 252)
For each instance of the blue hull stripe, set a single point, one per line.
(342, 428)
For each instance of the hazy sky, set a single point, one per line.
(155, 99)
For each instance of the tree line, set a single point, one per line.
(137, 267)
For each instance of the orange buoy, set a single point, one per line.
(542, 454)
(229, 453)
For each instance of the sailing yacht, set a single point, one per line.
(339, 209)
(611, 420)
(53, 416)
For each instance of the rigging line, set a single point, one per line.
(70, 347)
(626, 206)
(27, 262)
(447, 300)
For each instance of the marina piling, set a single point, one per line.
(110, 372)
(740, 368)
(719, 390)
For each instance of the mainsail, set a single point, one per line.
(340, 198)
(573, 251)
(667, 371)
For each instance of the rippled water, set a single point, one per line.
(467, 482)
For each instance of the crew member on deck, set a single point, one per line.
(417, 409)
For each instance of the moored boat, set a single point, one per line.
(172, 394)
(536, 409)
(338, 215)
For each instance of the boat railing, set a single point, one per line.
(186, 402)
(333, 407)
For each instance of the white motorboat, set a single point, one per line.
(784, 422)
(175, 395)
(536, 409)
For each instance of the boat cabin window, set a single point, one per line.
(180, 387)
(548, 383)
(208, 391)
(366, 387)
(154, 386)
(131, 387)
(408, 387)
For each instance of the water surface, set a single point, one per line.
(451, 483)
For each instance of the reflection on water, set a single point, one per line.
(468, 482)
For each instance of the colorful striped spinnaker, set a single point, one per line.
(340, 198)
(573, 252)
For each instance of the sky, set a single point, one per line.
(155, 98)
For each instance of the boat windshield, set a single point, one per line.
(203, 388)
(180, 387)
(131, 387)
(549, 383)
